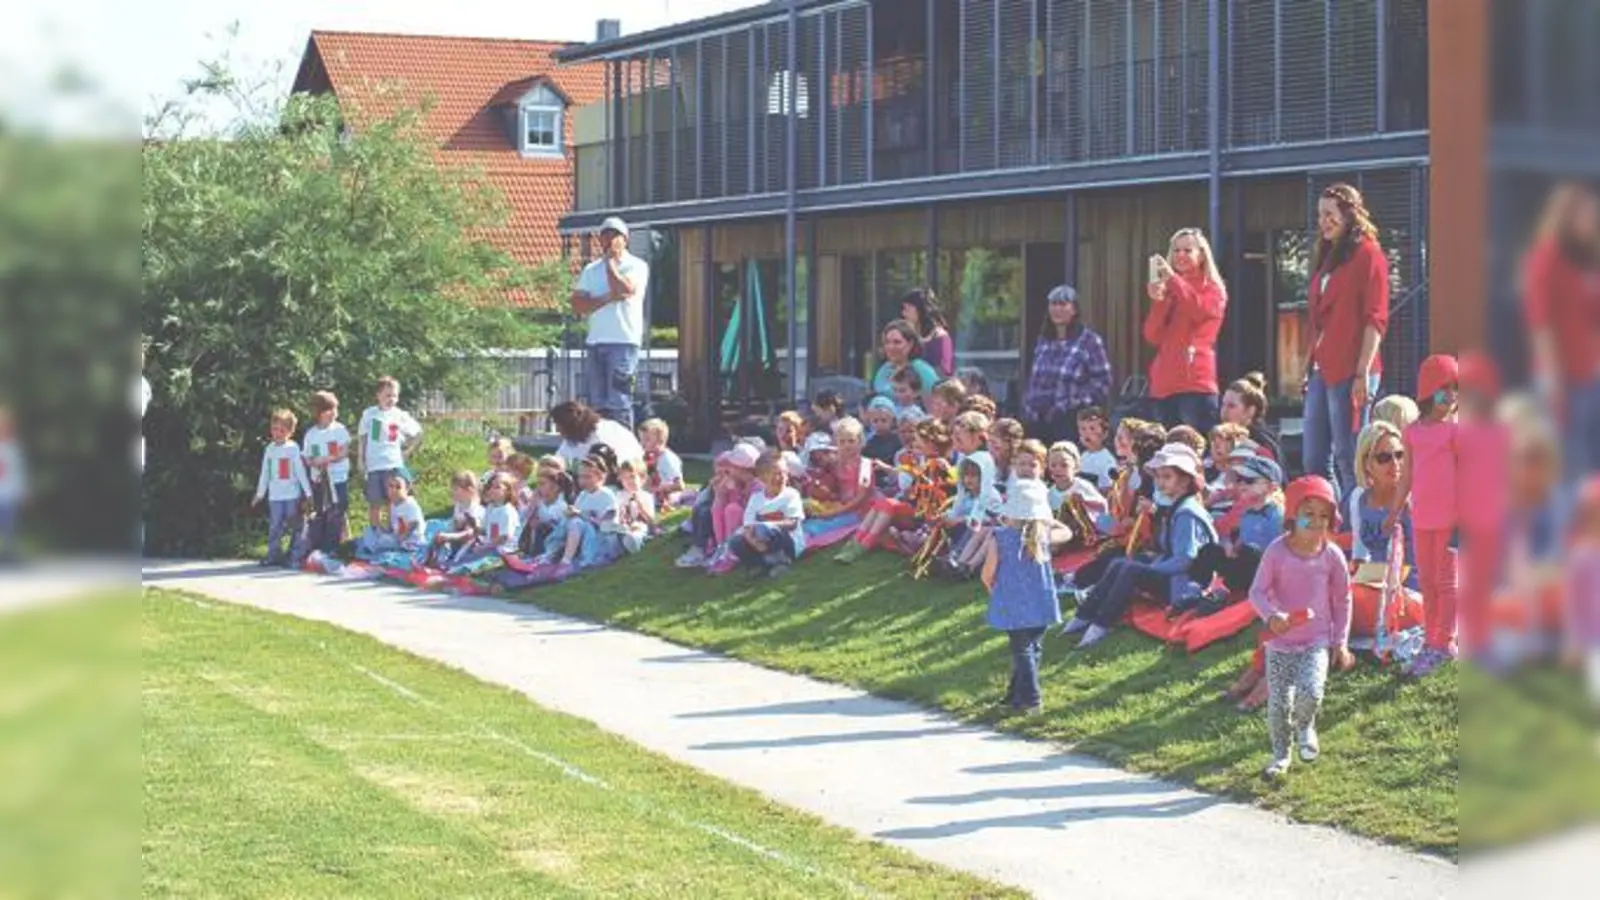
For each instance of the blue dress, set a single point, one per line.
(1024, 594)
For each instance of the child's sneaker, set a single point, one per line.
(851, 552)
(1277, 768)
(1427, 662)
(1310, 748)
(723, 563)
(693, 558)
(778, 571)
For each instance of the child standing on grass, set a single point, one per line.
(326, 449)
(771, 537)
(283, 484)
(1022, 588)
(387, 434)
(1302, 592)
(1429, 484)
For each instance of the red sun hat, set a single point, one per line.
(1309, 487)
(1478, 372)
(1439, 370)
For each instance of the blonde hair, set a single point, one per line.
(505, 446)
(1186, 436)
(1230, 432)
(1367, 442)
(850, 427)
(1035, 540)
(658, 427)
(1034, 448)
(552, 463)
(520, 463)
(1209, 264)
(387, 381)
(1396, 409)
(1067, 449)
(464, 479)
(973, 421)
(285, 417)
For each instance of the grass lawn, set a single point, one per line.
(291, 759)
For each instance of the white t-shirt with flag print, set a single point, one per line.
(405, 518)
(283, 473)
(501, 527)
(383, 434)
(323, 442)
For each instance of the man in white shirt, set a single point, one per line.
(610, 292)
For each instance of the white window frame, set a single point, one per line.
(541, 102)
(789, 92)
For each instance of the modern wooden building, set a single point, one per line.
(817, 158)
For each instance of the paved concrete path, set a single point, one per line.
(48, 581)
(1019, 812)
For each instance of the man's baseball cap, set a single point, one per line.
(614, 223)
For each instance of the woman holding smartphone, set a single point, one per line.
(1187, 303)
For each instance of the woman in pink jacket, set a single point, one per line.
(1188, 302)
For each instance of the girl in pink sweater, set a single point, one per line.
(1302, 592)
(1429, 483)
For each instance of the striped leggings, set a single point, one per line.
(1296, 680)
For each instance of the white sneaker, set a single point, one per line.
(1310, 749)
(693, 559)
(1277, 768)
(1094, 635)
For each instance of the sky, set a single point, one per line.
(135, 53)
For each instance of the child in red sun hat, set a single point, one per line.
(1430, 484)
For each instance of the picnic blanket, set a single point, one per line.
(1191, 630)
(822, 533)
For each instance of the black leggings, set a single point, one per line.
(1237, 571)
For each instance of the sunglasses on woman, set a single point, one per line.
(1385, 457)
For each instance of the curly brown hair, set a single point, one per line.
(936, 434)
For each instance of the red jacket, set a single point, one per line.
(1563, 298)
(1357, 296)
(1184, 327)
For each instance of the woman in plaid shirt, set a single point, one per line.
(1070, 371)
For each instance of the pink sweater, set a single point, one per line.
(1482, 473)
(1288, 582)
(1431, 451)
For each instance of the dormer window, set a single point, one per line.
(539, 122)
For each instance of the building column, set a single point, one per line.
(1458, 125)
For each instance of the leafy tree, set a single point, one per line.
(292, 254)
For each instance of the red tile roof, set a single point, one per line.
(468, 81)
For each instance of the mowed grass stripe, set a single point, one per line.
(287, 758)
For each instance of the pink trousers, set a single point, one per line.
(1436, 576)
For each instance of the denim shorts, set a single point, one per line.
(378, 485)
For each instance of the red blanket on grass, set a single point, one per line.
(1194, 632)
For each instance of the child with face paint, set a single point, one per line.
(1302, 592)
(1429, 484)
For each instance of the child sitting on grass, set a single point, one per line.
(790, 434)
(883, 441)
(852, 472)
(636, 507)
(1022, 593)
(1077, 503)
(546, 515)
(1302, 592)
(771, 536)
(925, 501)
(1225, 438)
(406, 524)
(590, 534)
(663, 468)
(1244, 534)
(283, 484)
(1004, 437)
(1098, 463)
(466, 521)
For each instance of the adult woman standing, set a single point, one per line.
(902, 349)
(1349, 304)
(1188, 301)
(1561, 301)
(920, 308)
(1070, 371)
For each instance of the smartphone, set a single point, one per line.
(1155, 268)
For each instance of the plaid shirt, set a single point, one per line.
(1068, 374)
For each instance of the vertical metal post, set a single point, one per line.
(1231, 109)
(700, 120)
(930, 86)
(824, 91)
(838, 138)
(994, 84)
(725, 126)
(751, 128)
(647, 83)
(1183, 84)
(1131, 77)
(872, 85)
(1086, 101)
(1382, 16)
(1050, 75)
(961, 85)
(1277, 70)
(672, 121)
(1214, 117)
(1035, 63)
(791, 111)
(1157, 69)
(1327, 68)
(1232, 271)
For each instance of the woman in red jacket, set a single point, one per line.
(1349, 303)
(1561, 300)
(1188, 300)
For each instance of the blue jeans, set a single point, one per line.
(1123, 580)
(1330, 435)
(608, 372)
(283, 519)
(1582, 442)
(1026, 648)
(1198, 411)
(780, 548)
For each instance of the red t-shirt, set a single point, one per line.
(1184, 327)
(1560, 296)
(1356, 297)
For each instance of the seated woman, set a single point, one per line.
(925, 501)
(1181, 527)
